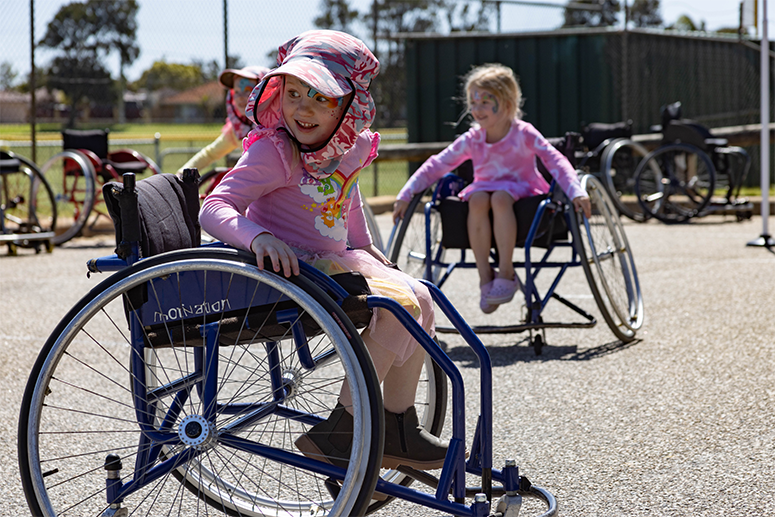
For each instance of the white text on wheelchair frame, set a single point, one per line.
(182, 312)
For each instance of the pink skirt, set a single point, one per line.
(517, 189)
(384, 328)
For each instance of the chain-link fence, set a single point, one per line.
(170, 126)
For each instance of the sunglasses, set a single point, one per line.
(244, 85)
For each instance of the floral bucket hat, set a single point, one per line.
(335, 64)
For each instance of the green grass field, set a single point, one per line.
(177, 143)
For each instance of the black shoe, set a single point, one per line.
(331, 440)
(407, 443)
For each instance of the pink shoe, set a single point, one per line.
(502, 290)
(486, 307)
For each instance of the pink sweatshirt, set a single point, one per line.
(265, 193)
(508, 164)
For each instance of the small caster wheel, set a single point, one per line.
(49, 247)
(13, 250)
(538, 344)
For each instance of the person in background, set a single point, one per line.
(239, 83)
(503, 149)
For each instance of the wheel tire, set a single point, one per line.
(371, 223)
(77, 406)
(408, 248)
(75, 191)
(675, 182)
(619, 162)
(607, 261)
(27, 203)
(431, 404)
(209, 180)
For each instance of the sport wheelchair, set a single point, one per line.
(78, 173)
(178, 385)
(28, 212)
(678, 180)
(431, 242)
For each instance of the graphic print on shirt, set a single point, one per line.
(331, 198)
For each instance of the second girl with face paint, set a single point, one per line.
(503, 149)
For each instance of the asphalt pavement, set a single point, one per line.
(680, 421)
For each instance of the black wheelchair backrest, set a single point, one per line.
(161, 212)
(95, 140)
(596, 133)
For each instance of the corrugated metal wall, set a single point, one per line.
(573, 77)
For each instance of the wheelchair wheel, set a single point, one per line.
(147, 396)
(371, 222)
(431, 404)
(209, 180)
(675, 182)
(618, 165)
(73, 181)
(608, 263)
(27, 204)
(408, 248)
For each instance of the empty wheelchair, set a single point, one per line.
(431, 242)
(608, 152)
(28, 211)
(78, 173)
(692, 173)
(178, 385)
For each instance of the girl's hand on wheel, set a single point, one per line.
(267, 245)
(399, 210)
(582, 204)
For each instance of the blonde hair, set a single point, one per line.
(498, 80)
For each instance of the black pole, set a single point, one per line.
(225, 34)
(33, 86)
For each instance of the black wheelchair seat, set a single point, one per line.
(454, 217)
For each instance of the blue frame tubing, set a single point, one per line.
(452, 477)
(555, 200)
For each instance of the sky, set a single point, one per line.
(181, 31)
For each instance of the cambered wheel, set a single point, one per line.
(209, 180)
(675, 182)
(74, 182)
(86, 395)
(27, 203)
(408, 248)
(431, 404)
(608, 263)
(371, 222)
(619, 162)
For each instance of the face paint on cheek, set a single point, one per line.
(494, 99)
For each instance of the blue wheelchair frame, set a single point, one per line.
(149, 467)
(556, 201)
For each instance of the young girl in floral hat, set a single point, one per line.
(294, 196)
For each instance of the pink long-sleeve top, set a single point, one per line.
(264, 192)
(508, 164)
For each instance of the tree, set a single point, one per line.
(336, 15)
(602, 14)
(117, 21)
(404, 16)
(645, 13)
(7, 76)
(83, 79)
(685, 23)
(467, 16)
(88, 32)
(170, 75)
